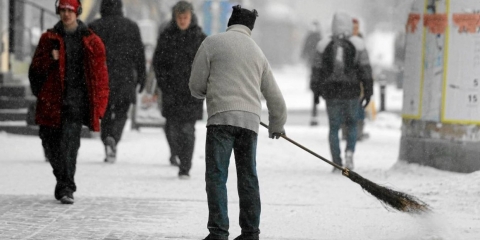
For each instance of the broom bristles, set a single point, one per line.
(390, 198)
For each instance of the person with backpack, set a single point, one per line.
(341, 67)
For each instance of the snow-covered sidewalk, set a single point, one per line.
(301, 198)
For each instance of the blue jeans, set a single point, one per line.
(221, 139)
(342, 111)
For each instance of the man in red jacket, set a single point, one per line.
(69, 77)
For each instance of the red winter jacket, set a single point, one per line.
(47, 77)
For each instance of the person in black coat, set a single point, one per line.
(126, 69)
(172, 61)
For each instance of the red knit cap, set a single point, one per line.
(69, 4)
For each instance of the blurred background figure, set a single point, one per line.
(356, 28)
(314, 36)
(341, 66)
(172, 62)
(126, 70)
(361, 135)
(308, 52)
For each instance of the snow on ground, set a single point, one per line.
(301, 198)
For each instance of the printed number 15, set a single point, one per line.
(472, 98)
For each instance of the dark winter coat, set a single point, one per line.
(47, 76)
(125, 52)
(172, 62)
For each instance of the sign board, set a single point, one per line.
(461, 103)
(442, 66)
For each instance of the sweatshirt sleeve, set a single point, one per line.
(277, 110)
(200, 73)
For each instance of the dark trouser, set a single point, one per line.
(114, 120)
(220, 142)
(342, 111)
(61, 145)
(181, 139)
(360, 123)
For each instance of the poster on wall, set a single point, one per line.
(435, 21)
(461, 103)
(413, 70)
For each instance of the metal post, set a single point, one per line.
(1, 31)
(42, 20)
(382, 95)
(11, 32)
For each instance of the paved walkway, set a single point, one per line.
(41, 217)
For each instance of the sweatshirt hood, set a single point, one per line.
(342, 24)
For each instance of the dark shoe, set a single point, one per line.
(247, 237)
(174, 161)
(110, 150)
(67, 198)
(212, 237)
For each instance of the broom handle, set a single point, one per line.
(308, 150)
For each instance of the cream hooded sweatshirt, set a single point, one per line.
(232, 73)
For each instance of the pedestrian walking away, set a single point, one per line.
(69, 77)
(126, 70)
(308, 52)
(172, 62)
(341, 68)
(232, 73)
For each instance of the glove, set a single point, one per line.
(365, 101)
(276, 135)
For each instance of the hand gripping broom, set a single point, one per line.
(391, 199)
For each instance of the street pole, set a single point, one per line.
(1, 31)
(11, 32)
(383, 86)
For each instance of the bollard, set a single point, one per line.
(382, 97)
(383, 89)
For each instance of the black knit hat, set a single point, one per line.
(243, 16)
(111, 7)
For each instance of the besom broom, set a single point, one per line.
(390, 198)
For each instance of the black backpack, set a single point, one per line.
(339, 62)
